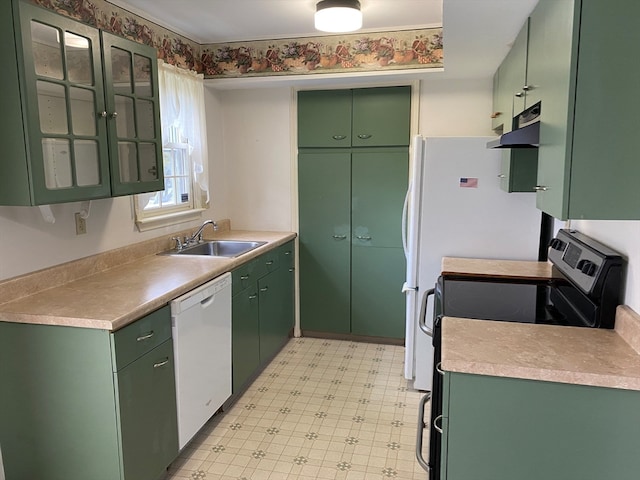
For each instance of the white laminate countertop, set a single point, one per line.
(114, 297)
(583, 356)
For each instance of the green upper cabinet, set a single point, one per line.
(519, 170)
(509, 96)
(359, 118)
(324, 118)
(61, 111)
(133, 112)
(588, 160)
(381, 116)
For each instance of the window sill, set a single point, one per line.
(169, 219)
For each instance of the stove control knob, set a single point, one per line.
(587, 267)
(558, 244)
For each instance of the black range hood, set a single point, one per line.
(526, 133)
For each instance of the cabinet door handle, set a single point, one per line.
(363, 237)
(113, 115)
(502, 175)
(162, 363)
(153, 170)
(496, 114)
(436, 426)
(269, 262)
(288, 252)
(102, 114)
(292, 270)
(520, 94)
(527, 88)
(147, 336)
(253, 296)
(364, 136)
(340, 237)
(264, 289)
(244, 277)
(541, 188)
(339, 137)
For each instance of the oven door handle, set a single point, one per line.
(421, 427)
(422, 320)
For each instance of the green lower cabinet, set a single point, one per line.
(498, 428)
(351, 261)
(262, 313)
(146, 391)
(69, 412)
(245, 336)
(324, 179)
(377, 304)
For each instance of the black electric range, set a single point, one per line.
(584, 292)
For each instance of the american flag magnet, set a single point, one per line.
(467, 182)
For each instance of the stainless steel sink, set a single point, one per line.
(219, 248)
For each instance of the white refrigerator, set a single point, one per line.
(455, 207)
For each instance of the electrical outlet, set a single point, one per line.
(81, 225)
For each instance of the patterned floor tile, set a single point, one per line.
(324, 410)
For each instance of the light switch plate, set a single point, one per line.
(81, 225)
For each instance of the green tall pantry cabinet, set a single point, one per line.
(80, 110)
(353, 172)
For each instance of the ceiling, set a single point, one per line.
(477, 33)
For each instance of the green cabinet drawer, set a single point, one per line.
(246, 275)
(141, 336)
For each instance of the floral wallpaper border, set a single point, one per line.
(399, 50)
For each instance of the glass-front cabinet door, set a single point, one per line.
(133, 116)
(65, 108)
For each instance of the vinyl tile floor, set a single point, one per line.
(322, 409)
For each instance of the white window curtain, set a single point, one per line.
(182, 108)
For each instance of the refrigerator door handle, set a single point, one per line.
(405, 216)
(422, 319)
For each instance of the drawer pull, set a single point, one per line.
(436, 426)
(363, 237)
(244, 277)
(161, 364)
(541, 188)
(253, 296)
(269, 262)
(340, 237)
(288, 252)
(339, 137)
(142, 338)
(292, 269)
(502, 175)
(364, 136)
(264, 289)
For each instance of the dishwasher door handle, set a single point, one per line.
(208, 301)
(421, 427)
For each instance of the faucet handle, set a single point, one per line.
(179, 244)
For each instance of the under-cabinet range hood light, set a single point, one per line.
(526, 133)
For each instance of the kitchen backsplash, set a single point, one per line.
(357, 53)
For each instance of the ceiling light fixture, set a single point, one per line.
(338, 16)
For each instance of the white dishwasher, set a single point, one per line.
(201, 328)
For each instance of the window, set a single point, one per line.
(184, 151)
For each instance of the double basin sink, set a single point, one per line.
(218, 248)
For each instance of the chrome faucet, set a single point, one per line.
(197, 236)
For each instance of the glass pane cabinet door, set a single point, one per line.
(131, 74)
(65, 103)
